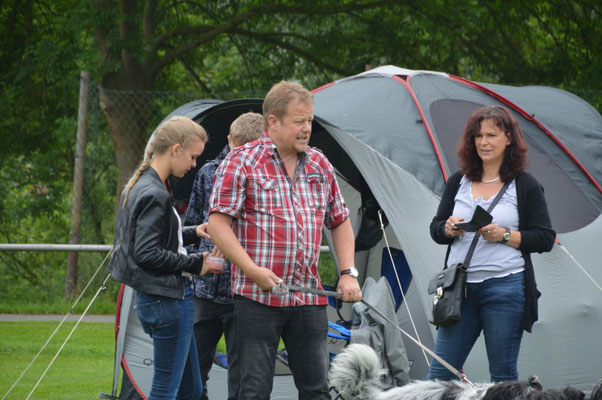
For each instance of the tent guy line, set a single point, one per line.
(591, 278)
(70, 312)
(100, 289)
(382, 227)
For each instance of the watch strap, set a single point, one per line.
(506, 236)
(347, 271)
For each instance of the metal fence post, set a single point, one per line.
(78, 183)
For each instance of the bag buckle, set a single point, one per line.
(438, 295)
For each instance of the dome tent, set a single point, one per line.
(399, 129)
(396, 130)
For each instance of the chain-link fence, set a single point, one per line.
(145, 111)
(133, 116)
(39, 276)
(119, 124)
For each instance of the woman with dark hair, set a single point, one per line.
(148, 255)
(501, 294)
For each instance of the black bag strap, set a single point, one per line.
(477, 234)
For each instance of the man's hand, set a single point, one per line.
(350, 288)
(264, 278)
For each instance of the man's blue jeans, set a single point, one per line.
(304, 331)
(495, 306)
(169, 322)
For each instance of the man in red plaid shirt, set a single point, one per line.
(270, 200)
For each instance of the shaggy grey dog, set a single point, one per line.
(356, 375)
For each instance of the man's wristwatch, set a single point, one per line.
(506, 236)
(350, 271)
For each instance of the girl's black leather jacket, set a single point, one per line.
(145, 252)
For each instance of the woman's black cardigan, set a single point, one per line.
(534, 225)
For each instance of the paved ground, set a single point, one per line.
(57, 317)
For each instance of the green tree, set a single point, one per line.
(139, 42)
(238, 48)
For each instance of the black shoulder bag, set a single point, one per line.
(449, 285)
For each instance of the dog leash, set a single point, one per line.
(282, 289)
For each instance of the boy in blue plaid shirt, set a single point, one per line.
(213, 304)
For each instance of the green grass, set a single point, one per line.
(83, 369)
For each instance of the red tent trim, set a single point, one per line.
(425, 122)
(118, 309)
(316, 90)
(126, 370)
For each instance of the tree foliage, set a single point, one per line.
(238, 48)
(140, 43)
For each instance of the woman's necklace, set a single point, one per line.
(491, 180)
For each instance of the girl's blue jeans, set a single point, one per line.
(170, 323)
(496, 307)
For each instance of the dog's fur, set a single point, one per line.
(356, 375)
(568, 393)
(512, 390)
(597, 392)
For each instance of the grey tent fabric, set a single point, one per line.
(373, 330)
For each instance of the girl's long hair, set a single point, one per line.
(176, 130)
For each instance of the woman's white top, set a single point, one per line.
(181, 248)
(490, 259)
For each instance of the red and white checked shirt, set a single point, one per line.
(278, 221)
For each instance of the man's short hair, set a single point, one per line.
(246, 128)
(282, 94)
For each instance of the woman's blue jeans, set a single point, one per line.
(170, 323)
(495, 306)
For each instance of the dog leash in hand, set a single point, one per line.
(282, 289)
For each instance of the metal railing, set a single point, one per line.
(55, 247)
(75, 247)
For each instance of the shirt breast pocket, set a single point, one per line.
(317, 191)
(266, 195)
